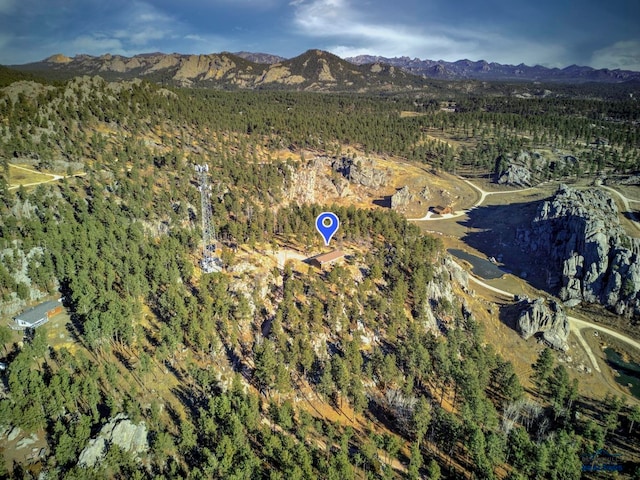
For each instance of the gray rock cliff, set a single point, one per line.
(361, 171)
(594, 259)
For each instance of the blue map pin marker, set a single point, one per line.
(327, 224)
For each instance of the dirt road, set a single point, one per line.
(458, 213)
(285, 254)
(625, 201)
(575, 324)
(54, 177)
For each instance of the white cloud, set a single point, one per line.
(335, 19)
(96, 44)
(142, 27)
(349, 32)
(624, 55)
(145, 24)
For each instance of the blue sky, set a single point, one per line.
(548, 32)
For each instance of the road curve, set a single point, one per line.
(575, 324)
(584, 324)
(458, 213)
(625, 202)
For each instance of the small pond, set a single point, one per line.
(480, 267)
(628, 373)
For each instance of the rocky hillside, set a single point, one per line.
(482, 70)
(313, 70)
(587, 247)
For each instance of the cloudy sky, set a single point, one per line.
(547, 32)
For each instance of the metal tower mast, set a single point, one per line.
(210, 262)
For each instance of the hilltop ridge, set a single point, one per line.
(314, 70)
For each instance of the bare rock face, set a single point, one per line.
(438, 291)
(549, 318)
(362, 171)
(594, 259)
(118, 431)
(516, 175)
(401, 198)
(629, 180)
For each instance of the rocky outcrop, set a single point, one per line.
(547, 317)
(118, 431)
(516, 175)
(527, 168)
(401, 198)
(594, 259)
(440, 290)
(630, 180)
(57, 58)
(362, 171)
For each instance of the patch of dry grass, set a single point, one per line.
(24, 176)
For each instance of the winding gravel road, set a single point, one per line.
(458, 213)
(625, 202)
(576, 325)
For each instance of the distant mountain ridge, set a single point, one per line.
(482, 70)
(314, 70)
(260, 57)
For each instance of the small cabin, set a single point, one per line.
(38, 315)
(440, 210)
(324, 259)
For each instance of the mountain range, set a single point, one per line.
(482, 70)
(314, 70)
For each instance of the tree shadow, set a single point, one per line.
(126, 362)
(151, 338)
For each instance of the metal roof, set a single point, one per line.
(329, 257)
(39, 311)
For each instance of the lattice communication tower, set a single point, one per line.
(210, 262)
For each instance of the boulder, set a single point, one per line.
(401, 198)
(515, 175)
(26, 441)
(14, 433)
(118, 431)
(547, 317)
(93, 453)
